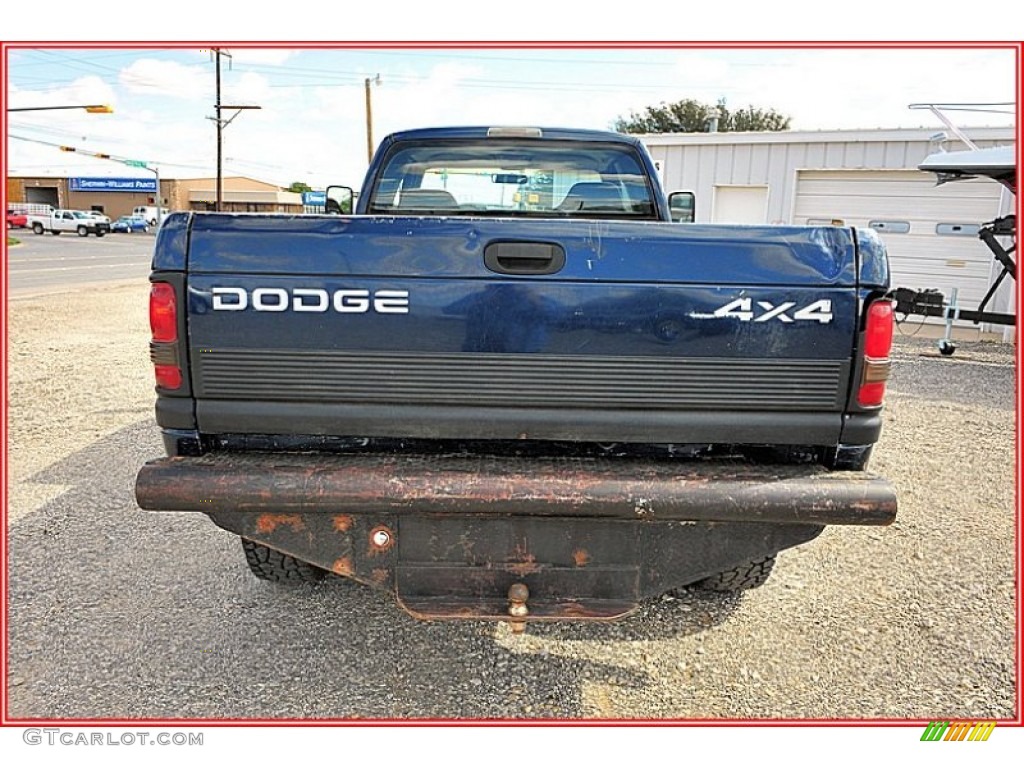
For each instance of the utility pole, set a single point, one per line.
(221, 125)
(220, 140)
(369, 116)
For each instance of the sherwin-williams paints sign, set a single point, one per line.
(112, 185)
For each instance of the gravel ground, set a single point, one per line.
(78, 370)
(115, 612)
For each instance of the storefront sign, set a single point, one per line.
(112, 185)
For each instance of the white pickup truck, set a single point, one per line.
(61, 220)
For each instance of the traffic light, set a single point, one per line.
(67, 149)
(104, 109)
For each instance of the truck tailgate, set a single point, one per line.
(402, 327)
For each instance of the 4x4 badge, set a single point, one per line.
(748, 310)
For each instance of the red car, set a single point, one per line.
(19, 220)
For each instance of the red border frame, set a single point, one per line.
(7, 721)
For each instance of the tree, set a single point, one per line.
(691, 116)
(299, 186)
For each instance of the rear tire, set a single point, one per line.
(749, 575)
(37, 228)
(270, 565)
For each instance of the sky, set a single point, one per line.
(311, 128)
(312, 123)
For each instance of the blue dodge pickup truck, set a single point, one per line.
(511, 386)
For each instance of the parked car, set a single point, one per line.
(130, 224)
(16, 220)
(98, 216)
(62, 220)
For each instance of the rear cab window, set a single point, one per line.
(488, 177)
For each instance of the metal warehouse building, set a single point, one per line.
(860, 178)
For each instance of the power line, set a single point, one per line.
(356, 77)
(71, 63)
(627, 62)
(22, 51)
(308, 72)
(233, 169)
(99, 155)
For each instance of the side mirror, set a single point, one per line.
(339, 199)
(682, 206)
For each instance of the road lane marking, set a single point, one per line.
(79, 268)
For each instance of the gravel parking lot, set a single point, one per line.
(115, 612)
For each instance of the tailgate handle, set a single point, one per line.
(519, 258)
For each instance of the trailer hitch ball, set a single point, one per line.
(518, 594)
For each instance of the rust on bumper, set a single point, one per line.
(452, 535)
(629, 490)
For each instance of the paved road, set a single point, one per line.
(48, 263)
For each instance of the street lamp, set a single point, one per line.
(156, 173)
(94, 109)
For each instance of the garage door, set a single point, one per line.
(930, 232)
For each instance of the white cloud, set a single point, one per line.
(863, 88)
(168, 78)
(250, 88)
(414, 100)
(317, 134)
(271, 56)
(332, 104)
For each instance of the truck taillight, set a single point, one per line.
(163, 321)
(163, 312)
(168, 376)
(877, 345)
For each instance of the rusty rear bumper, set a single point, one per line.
(423, 484)
(451, 534)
